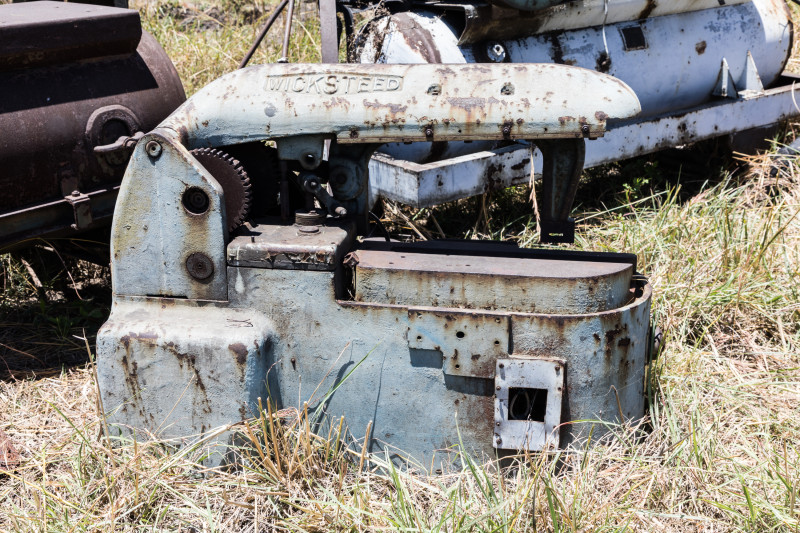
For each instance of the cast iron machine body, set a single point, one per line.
(216, 306)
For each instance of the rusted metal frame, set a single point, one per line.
(563, 164)
(49, 218)
(45, 33)
(484, 21)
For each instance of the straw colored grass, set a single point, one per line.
(719, 451)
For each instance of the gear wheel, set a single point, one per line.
(234, 181)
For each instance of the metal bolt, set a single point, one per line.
(585, 129)
(497, 424)
(496, 52)
(506, 129)
(199, 266)
(498, 387)
(501, 365)
(498, 440)
(153, 149)
(76, 193)
(428, 132)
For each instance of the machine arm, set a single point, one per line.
(353, 109)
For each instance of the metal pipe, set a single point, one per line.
(287, 34)
(263, 33)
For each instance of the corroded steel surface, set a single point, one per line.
(489, 282)
(181, 370)
(62, 95)
(401, 103)
(294, 247)
(153, 235)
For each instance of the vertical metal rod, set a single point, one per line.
(287, 34)
(263, 33)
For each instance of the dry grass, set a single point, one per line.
(720, 453)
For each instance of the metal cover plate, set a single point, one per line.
(36, 33)
(547, 374)
(487, 282)
(291, 247)
(470, 342)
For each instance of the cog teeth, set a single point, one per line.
(234, 180)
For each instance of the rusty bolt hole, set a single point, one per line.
(195, 200)
(527, 404)
(460, 334)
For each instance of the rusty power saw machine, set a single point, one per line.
(247, 278)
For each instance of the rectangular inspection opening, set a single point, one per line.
(527, 404)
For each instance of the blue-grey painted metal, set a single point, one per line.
(453, 178)
(356, 104)
(672, 59)
(204, 323)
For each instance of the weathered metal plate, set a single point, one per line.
(450, 179)
(154, 236)
(39, 33)
(292, 247)
(401, 103)
(490, 282)
(470, 342)
(525, 433)
(485, 22)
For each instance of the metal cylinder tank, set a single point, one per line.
(73, 77)
(672, 62)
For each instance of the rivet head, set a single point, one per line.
(199, 266)
(153, 149)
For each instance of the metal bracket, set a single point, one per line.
(561, 171)
(527, 405)
(470, 342)
(725, 87)
(81, 209)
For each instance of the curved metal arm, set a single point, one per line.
(402, 103)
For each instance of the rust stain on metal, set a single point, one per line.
(240, 350)
(700, 47)
(651, 5)
(469, 103)
(418, 38)
(393, 108)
